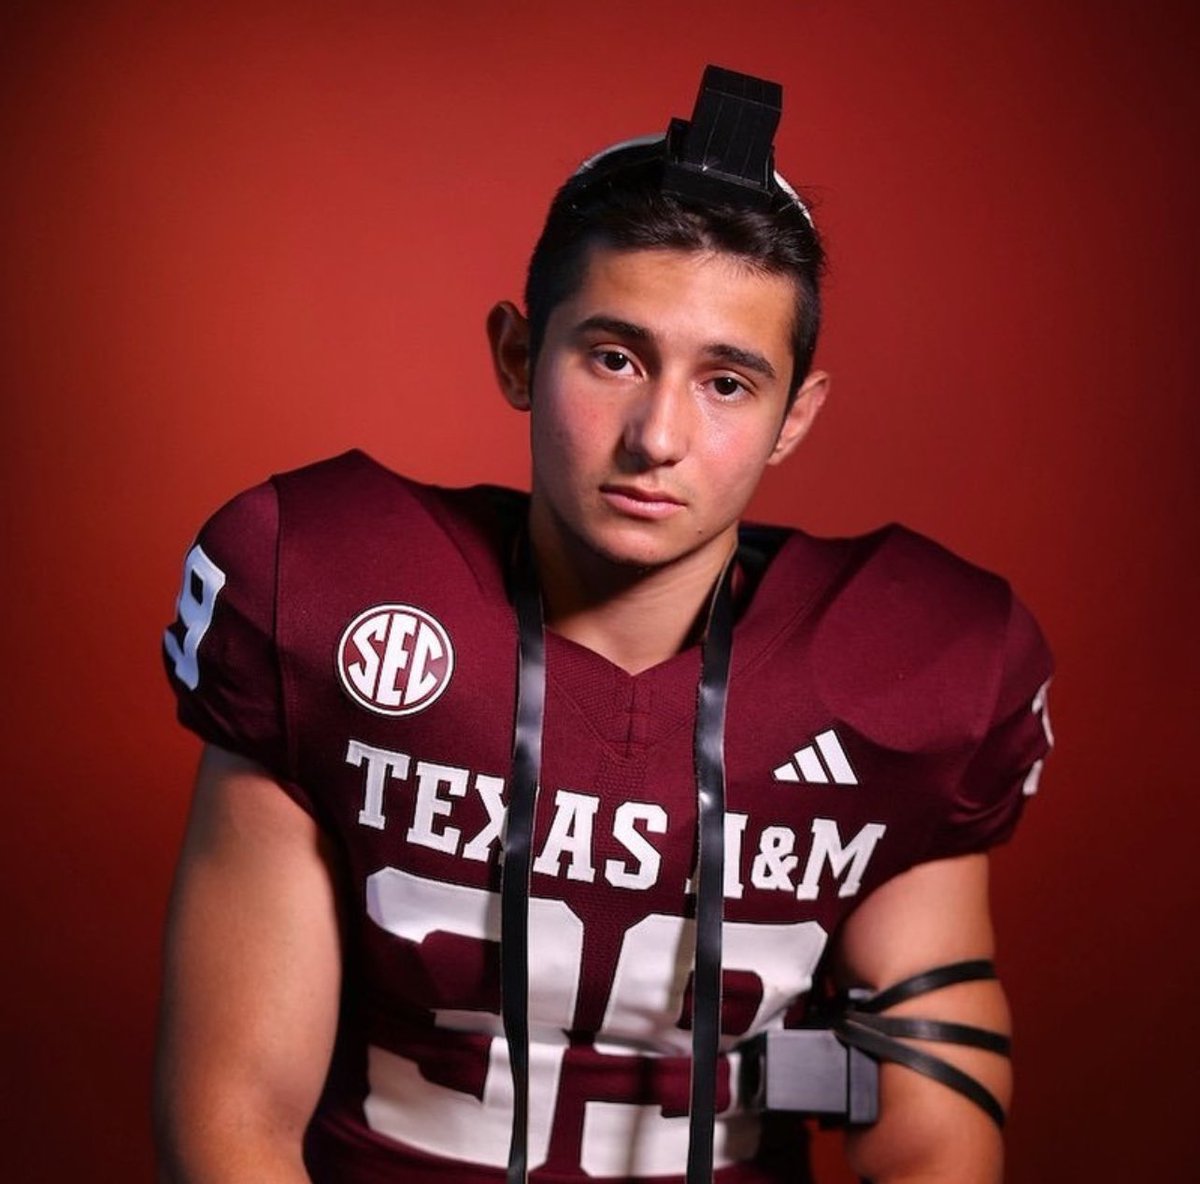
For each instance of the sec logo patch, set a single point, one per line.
(395, 659)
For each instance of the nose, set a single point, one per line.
(658, 424)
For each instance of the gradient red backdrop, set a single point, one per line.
(236, 237)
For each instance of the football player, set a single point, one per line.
(592, 834)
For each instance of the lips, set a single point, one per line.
(636, 502)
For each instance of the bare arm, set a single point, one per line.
(935, 914)
(253, 967)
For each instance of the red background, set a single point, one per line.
(236, 237)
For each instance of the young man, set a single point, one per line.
(857, 719)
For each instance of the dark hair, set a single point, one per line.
(620, 203)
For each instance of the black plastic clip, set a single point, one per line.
(728, 142)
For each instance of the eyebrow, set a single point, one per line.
(720, 351)
(614, 325)
(748, 359)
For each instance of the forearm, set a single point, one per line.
(216, 1125)
(987, 1175)
(928, 1132)
(929, 1140)
(251, 985)
(228, 1153)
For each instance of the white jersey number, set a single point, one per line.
(202, 582)
(646, 1002)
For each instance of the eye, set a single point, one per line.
(727, 386)
(613, 360)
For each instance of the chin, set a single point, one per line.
(633, 551)
(631, 558)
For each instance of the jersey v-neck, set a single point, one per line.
(785, 572)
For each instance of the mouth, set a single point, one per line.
(636, 502)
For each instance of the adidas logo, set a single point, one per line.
(819, 763)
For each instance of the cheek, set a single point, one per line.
(574, 429)
(740, 451)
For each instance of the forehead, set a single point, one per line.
(686, 297)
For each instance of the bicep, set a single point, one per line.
(933, 915)
(252, 969)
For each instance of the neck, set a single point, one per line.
(634, 617)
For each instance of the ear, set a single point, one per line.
(810, 398)
(508, 335)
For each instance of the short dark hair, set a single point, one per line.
(621, 204)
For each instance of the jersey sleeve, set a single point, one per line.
(220, 652)
(1003, 772)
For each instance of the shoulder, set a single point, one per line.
(928, 669)
(928, 600)
(352, 498)
(906, 639)
(279, 572)
(349, 487)
(897, 570)
(890, 578)
(350, 514)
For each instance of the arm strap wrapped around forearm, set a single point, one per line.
(858, 1025)
(830, 1067)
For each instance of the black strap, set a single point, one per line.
(859, 1026)
(708, 747)
(518, 843)
(709, 761)
(883, 1048)
(926, 981)
(912, 1028)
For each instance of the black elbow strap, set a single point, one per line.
(829, 1067)
(975, 970)
(858, 1025)
(912, 1028)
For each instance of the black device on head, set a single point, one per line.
(726, 152)
(723, 155)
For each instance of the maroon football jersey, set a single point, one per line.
(351, 631)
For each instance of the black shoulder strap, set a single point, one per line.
(709, 761)
(708, 747)
(518, 843)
